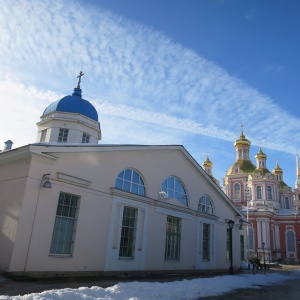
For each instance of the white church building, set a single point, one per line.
(72, 206)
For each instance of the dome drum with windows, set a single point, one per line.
(71, 119)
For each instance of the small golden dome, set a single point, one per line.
(260, 154)
(242, 141)
(277, 169)
(207, 162)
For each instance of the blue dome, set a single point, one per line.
(73, 104)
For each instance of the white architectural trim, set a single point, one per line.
(200, 264)
(112, 260)
(73, 180)
(173, 213)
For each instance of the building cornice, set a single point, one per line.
(162, 205)
(25, 152)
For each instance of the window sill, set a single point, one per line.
(126, 258)
(172, 260)
(60, 255)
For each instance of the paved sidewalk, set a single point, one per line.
(12, 287)
(289, 289)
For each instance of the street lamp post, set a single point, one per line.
(263, 245)
(230, 226)
(247, 199)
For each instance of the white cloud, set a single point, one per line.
(163, 120)
(144, 76)
(21, 109)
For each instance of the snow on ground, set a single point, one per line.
(186, 289)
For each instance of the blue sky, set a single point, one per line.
(159, 72)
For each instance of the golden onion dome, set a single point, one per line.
(245, 166)
(242, 141)
(277, 169)
(207, 163)
(260, 154)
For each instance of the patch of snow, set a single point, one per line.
(186, 289)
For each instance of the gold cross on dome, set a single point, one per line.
(242, 127)
(79, 80)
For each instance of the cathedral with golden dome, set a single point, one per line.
(271, 208)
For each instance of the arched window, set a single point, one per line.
(173, 188)
(237, 191)
(130, 181)
(205, 205)
(258, 193)
(290, 240)
(287, 202)
(269, 192)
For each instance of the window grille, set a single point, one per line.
(127, 243)
(206, 242)
(172, 247)
(205, 205)
(258, 193)
(130, 181)
(63, 135)
(85, 138)
(64, 226)
(290, 238)
(173, 188)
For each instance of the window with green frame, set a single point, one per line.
(173, 236)
(242, 247)
(128, 233)
(227, 244)
(65, 224)
(206, 242)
